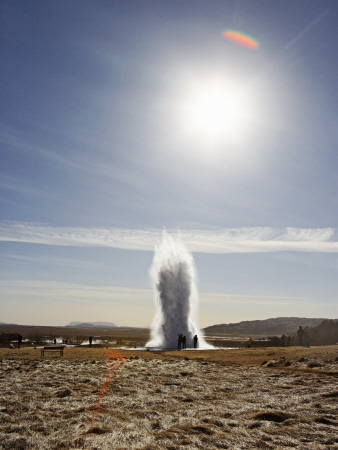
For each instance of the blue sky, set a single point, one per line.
(121, 118)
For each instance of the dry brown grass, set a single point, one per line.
(237, 399)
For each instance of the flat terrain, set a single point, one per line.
(130, 334)
(98, 398)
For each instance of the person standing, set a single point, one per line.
(195, 341)
(179, 342)
(282, 341)
(300, 333)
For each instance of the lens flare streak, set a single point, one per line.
(241, 39)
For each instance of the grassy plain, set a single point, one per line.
(96, 398)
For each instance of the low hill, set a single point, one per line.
(268, 327)
(92, 325)
(32, 331)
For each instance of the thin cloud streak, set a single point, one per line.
(219, 241)
(85, 164)
(72, 293)
(218, 299)
(306, 30)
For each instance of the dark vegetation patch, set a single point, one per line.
(263, 445)
(17, 444)
(312, 364)
(202, 429)
(217, 423)
(332, 394)
(96, 430)
(276, 362)
(63, 393)
(254, 425)
(156, 425)
(324, 421)
(233, 424)
(272, 416)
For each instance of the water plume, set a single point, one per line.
(176, 298)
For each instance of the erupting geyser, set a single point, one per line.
(176, 297)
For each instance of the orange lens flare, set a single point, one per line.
(241, 39)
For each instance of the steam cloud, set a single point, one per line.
(176, 296)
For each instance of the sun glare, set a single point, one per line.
(215, 112)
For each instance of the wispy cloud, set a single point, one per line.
(76, 293)
(249, 299)
(302, 33)
(72, 292)
(234, 240)
(85, 164)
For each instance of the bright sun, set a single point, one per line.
(215, 112)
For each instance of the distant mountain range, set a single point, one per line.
(268, 327)
(92, 325)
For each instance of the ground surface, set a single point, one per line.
(114, 399)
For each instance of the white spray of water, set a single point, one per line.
(176, 296)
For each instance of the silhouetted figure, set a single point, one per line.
(19, 340)
(300, 333)
(90, 341)
(249, 343)
(195, 341)
(54, 341)
(184, 342)
(282, 341)
(179, 341)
